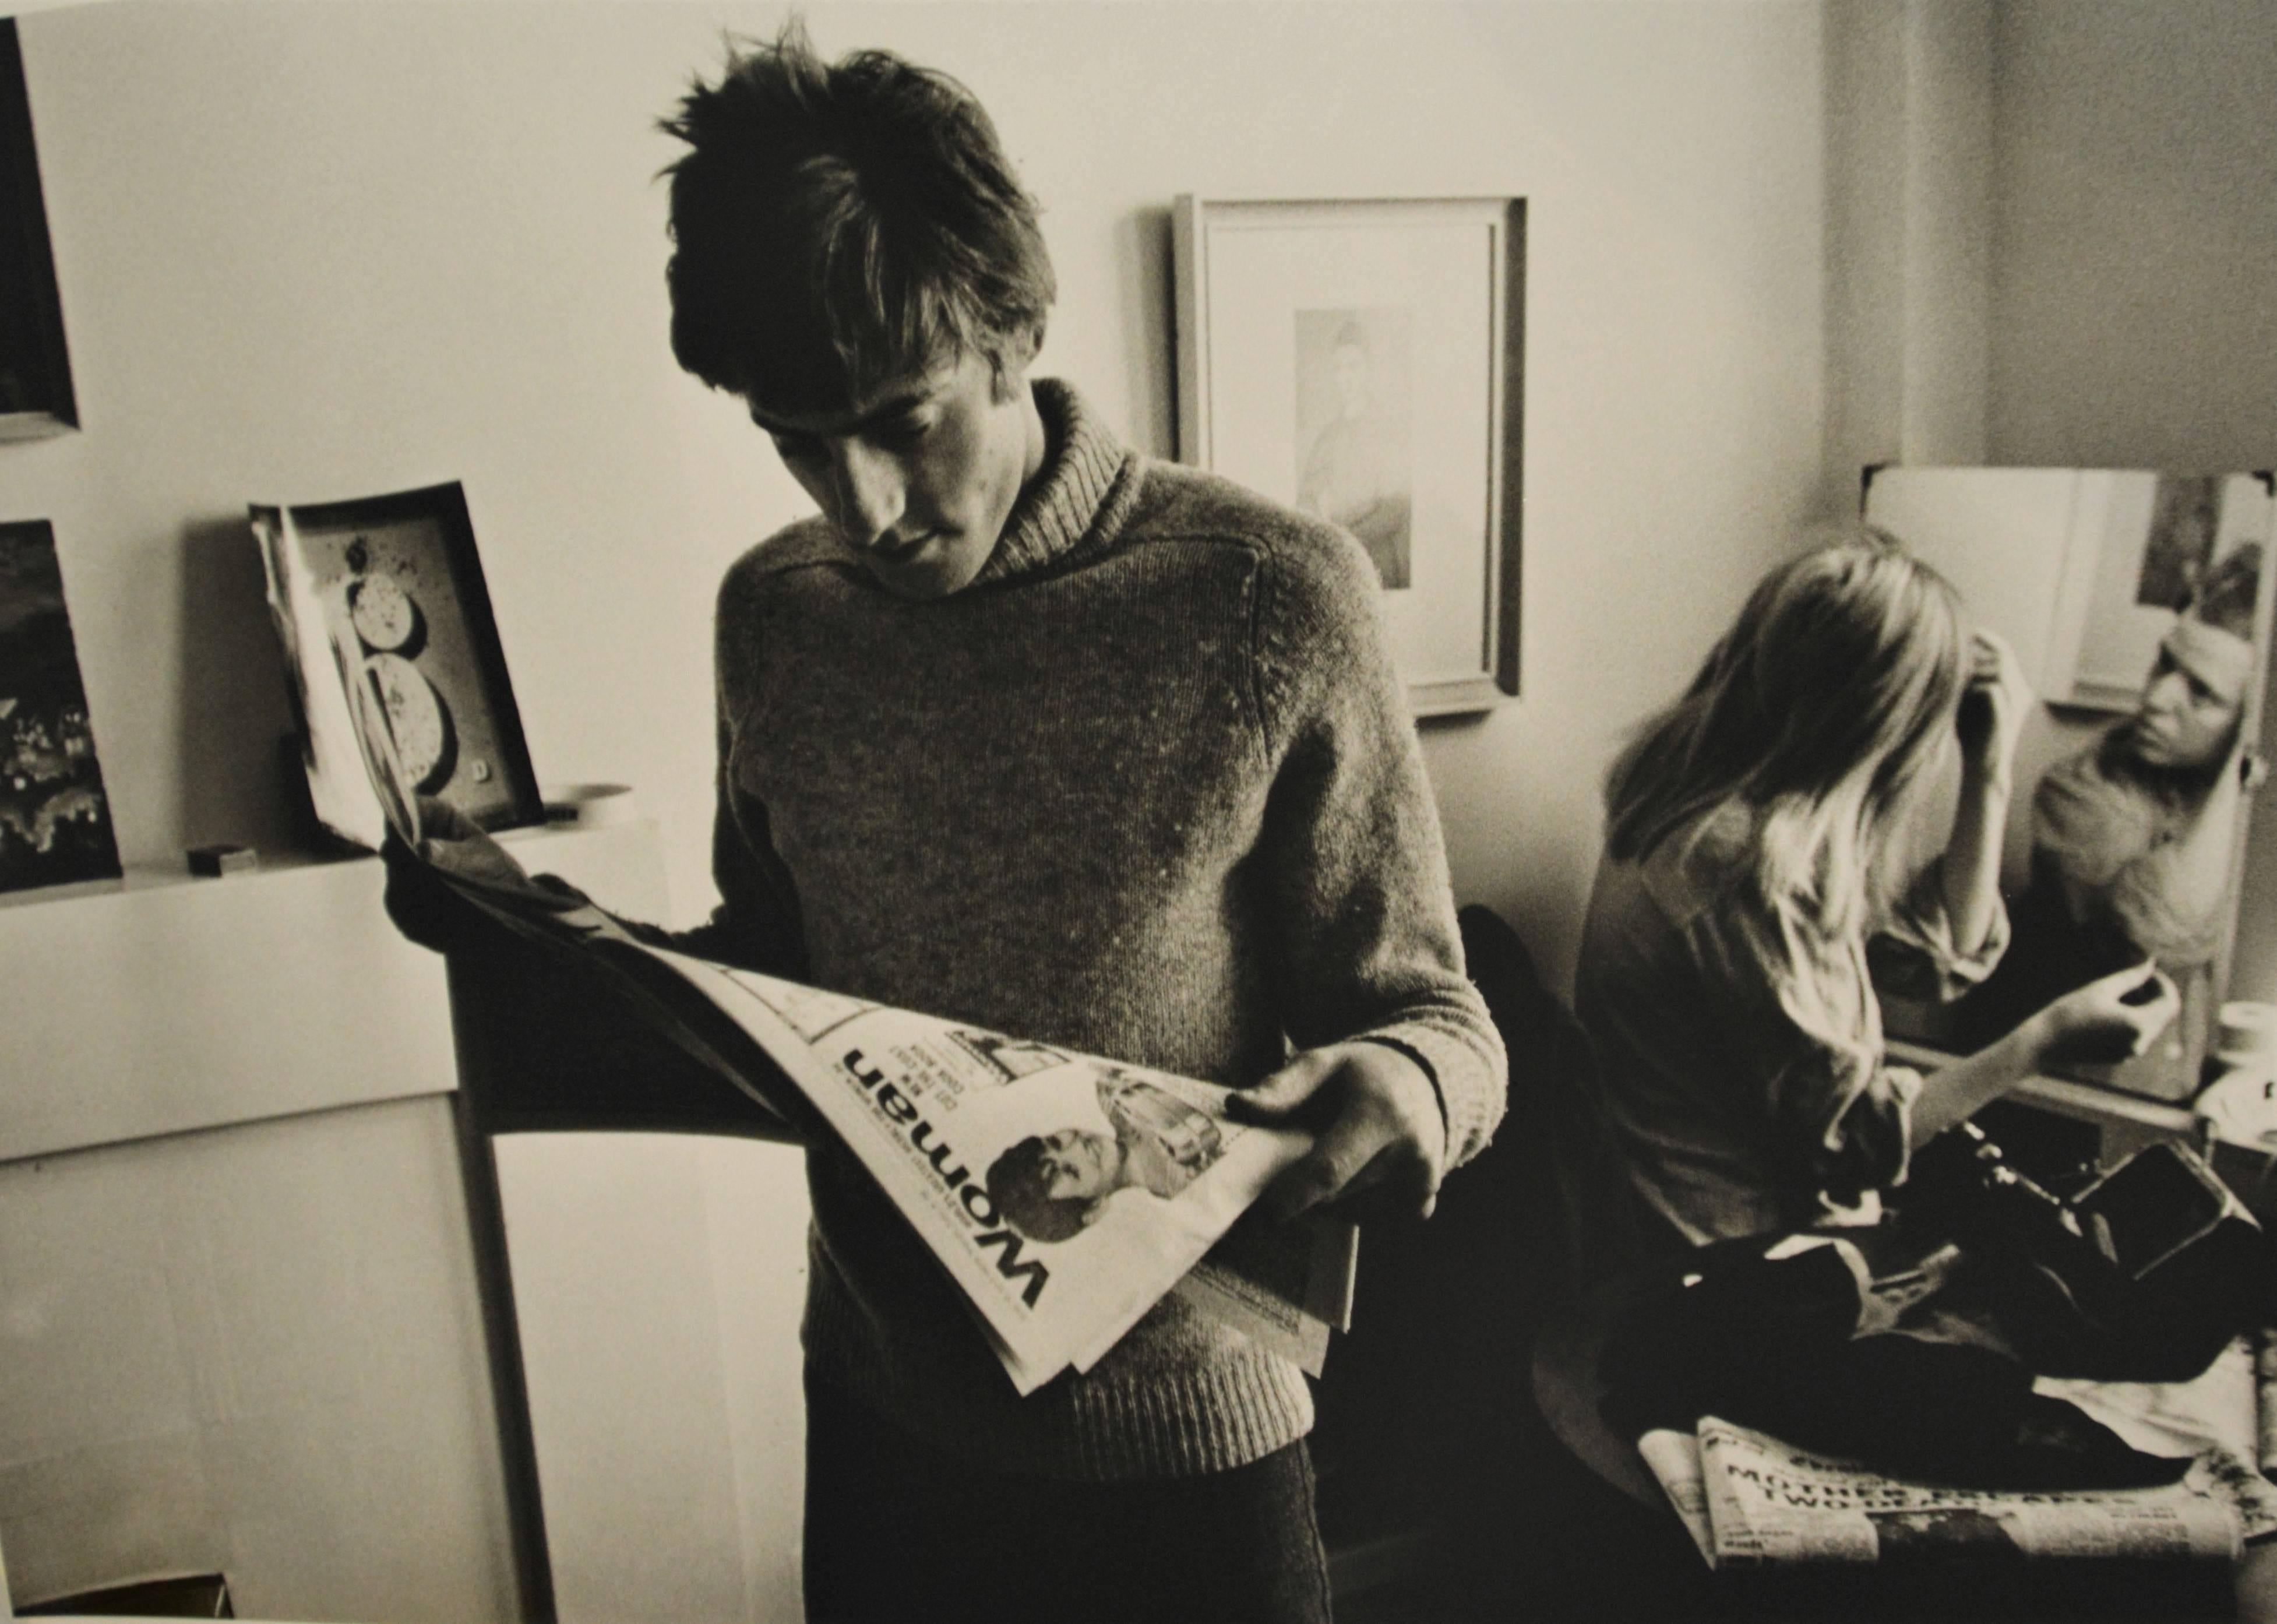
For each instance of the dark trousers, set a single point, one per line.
(898, 1531)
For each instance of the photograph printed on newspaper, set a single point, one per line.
(1065, 1194)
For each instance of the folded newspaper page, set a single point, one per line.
(1066, 1193)
(1768, 1503)
(1284, 1285)
(1674, 1459)
(2217, 1417)
(326, 698)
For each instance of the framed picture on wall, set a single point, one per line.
(1361, 361)
(36, 387)
(387, 591)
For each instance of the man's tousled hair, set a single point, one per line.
(836, 225)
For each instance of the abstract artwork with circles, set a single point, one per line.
(390, 587)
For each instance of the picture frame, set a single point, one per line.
(388, 590)
(35, 381)
(1307, 332)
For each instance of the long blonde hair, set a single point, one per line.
(1819, 710)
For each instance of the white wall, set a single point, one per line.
(2134, 303)
(1909, 204)
(320, 250)
(2135, 235)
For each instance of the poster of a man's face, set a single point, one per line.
(1353, 415)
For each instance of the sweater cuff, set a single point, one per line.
(1400, 1046)
(1470, 1085)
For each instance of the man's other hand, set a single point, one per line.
(1376, 1124)
(425, 907)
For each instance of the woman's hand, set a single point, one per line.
(1994, 706)
(2114, 1018)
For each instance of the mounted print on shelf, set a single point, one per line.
(387, 591)
(1362, 362)
(36, 385)
(55, 822)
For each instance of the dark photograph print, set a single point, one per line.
(55, 824)
(1353, 466)
(35, 388)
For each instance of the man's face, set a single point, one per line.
(2184, 721)
(1080, 1165)
(920, 476)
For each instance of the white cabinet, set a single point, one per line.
(238, 1313)
(241, 1321)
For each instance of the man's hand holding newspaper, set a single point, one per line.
(1066, 1193)
(427, 908)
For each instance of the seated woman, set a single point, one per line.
(1760, 831)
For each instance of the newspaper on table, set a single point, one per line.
(972, 1134)
(1750, 1501)
(2217, 1417)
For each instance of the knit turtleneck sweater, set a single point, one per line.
(1146, 789)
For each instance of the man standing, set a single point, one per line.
(1027, 731)
(1217, 841)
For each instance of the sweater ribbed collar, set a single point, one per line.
(1078, 500)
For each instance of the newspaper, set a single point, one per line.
(1285, 1285)
(1750, 1501)
(1065, 1194)
(946, 1117)
(1674, 1458)
(324, 700)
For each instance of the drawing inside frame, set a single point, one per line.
(55, 818)
(1362, 361)
(35, 385)
(2135, 602)
(387, 591)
